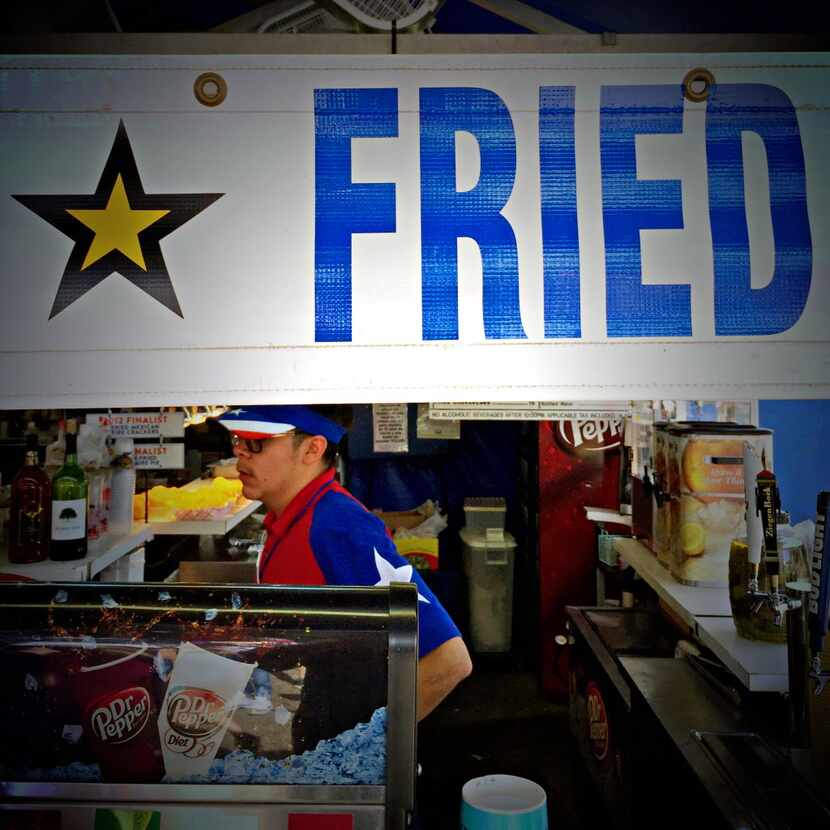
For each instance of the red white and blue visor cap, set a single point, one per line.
(269, 421)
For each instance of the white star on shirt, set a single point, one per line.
(236, 412)
(389, 573)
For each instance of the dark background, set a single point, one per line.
(454, 17)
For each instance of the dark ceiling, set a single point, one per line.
(455, 17)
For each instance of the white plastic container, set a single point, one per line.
(482, 512)
(92, 456)
(123, 488)
(129, 568)
(489, 557)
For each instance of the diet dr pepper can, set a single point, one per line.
(120, 715)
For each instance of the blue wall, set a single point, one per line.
(802, 452)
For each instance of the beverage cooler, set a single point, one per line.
(579, 466)
(605, 722)
(175, 707)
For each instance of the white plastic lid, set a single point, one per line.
(489, 539)
(488, 504)
(124, 446)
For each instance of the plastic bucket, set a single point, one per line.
(503, 802)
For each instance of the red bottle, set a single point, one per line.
(31, 512)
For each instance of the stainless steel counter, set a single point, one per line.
(747, 776)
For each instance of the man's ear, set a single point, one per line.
(315, 449)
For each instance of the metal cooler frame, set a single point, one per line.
(384, 807)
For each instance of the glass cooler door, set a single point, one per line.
(163, 707)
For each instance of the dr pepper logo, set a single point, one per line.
(598, 727)
(194, 712)
(589, 436)
(119, 717)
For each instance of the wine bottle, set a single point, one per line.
(69, 505)
(30, 510)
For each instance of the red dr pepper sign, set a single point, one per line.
(320, 821)
(597, 722)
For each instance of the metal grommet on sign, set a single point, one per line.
(210, 89)
(698, 84)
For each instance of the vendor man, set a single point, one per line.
(319, 534)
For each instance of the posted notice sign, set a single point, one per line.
(158, 456)
(139, 424)
(532, 411)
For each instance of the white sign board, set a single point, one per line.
(159, 456)
(390, 430)
(139, 424)
(432, 428)
(436, 227)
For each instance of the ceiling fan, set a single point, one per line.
(383, 15)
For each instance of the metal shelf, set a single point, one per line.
(201, 527)
(686, 601)
(205, 527)
(760, 666)
(603, 514)
(79, 570)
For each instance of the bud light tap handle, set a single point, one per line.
(820, 578)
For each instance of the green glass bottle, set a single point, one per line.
(69, 504)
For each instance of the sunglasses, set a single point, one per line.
(255, 445)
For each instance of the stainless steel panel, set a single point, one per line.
(222, 816)
(401, 720)
(196, 793)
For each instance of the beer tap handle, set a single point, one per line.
(768, 506)
(754, 530)
(820, 579)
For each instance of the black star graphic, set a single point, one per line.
(151, 217)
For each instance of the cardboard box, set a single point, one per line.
(421, 551)
(397, 519)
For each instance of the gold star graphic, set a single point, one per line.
(117, 227)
